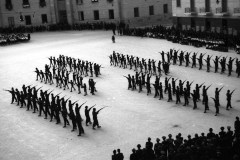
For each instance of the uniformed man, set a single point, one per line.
(229, 97)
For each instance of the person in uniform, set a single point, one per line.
(12, 91)
(88, 119)
(229, 97)
(79, 119)
(95, 118)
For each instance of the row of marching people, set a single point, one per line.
(78, 66)
(53, 105)
(171, 88)
(139, 64)
(63, 81)
(62, 76)
(179, 57)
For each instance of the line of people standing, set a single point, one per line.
(52, 105)
(171, 88)
(191, 60)
(139, 64)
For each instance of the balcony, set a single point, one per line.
(221, 12)
(190, 11)
(236, 12)
(205, 11)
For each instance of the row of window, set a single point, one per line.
(111, 13)
(151, 10)
(25, 4)
(93, 1)
(95, 14)
(27, 19)
(207, 2)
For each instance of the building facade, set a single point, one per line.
(207, 15)
(135, 13)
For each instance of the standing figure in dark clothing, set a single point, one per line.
(208, 60)
(38, 74)
(169, 93)
(216, 104)
(174, 85)
(139, 152)
(113, 39)
(206, 107)
(186, 96)
(40, 104)
(133, 156)
(217, 95)
(72, 85)
(194, 96)
(197, 89)
(187, 59)
(230, 62)
(85, 89)
(129, 81)
(119, 155)
(87, 110)
(204, 93)
(237, 127)
(114, 156)
(148, 86)
(18, 95)
(79, 119)
(229, 97)
(95, 118)
(13, 95)
(200, 62)
(194, 56)
(163, 57)
(72, 117)
(149, 144)
(22, 99)
(178, 100)
(133, 83)
(160, 91)
(64, 115)
(166, 84)
(181, 58)
(216, 63)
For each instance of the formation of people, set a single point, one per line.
(52, 106)
(7, 39)
(192, 59)
(172, 88)
(224, 145)
(64, 67)
(211, 40)
(139, 64)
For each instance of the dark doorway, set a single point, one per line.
(96, 15)
(192, 5)
(224, 5)
(207, 5)
(207, 24)
(193, 23)
(63, 16)
(179, 24)
(28, 20)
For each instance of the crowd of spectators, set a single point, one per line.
(212, 40)
(224, 145)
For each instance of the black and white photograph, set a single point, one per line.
(119, 79)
